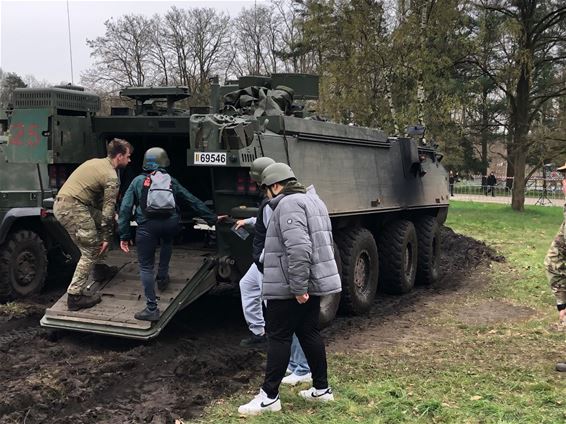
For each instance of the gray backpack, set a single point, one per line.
(157, 198)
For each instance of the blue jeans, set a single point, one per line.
(148, 236)
(298, 362)
(250, 289)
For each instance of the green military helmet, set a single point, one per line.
(155, 158)
(275, 173)
(258, 166)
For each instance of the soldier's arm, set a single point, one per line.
(108, 207)
(194, 203)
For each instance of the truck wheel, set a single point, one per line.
(23, 264)
(329, 304)
(360, 270)
(398, 258)
(428, 262)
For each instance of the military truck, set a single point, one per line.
(387, 196)
(43, 138)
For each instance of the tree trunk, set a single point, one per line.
(518, 193)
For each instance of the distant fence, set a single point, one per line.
(535, 188)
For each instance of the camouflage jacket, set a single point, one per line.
(95, 184)
(555, 263)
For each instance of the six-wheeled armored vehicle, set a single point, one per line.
(386, 196)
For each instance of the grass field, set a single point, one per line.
(494, 372)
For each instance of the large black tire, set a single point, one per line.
(428, 263)
(23, 265)
(329, 304)
(398, 256)
(360, 269)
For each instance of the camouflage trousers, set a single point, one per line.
(555, 264)
(83, 225)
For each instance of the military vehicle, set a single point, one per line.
(387, 196)
(43, 138)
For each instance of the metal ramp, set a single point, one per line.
(192, 273)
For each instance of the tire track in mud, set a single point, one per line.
(55, 376)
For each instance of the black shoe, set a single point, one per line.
(162, 284)
(254, 341)
(561, 367)
(77, 302)
(147, 315)
(103, 272)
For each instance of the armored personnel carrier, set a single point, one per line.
(387, 196)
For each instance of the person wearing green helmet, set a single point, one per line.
(250, 284)
(299, 268)
(158, 217)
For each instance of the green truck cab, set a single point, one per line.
(44, 137)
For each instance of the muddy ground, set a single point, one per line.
(61, 377)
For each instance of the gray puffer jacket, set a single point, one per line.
(299, 249)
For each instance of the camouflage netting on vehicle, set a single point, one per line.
(260, 101)
(217, 131)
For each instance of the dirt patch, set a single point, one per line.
(65, 377)
(400, 319)
(492, 312)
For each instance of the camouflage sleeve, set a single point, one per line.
(108, 208)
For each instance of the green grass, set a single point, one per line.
(484, 373)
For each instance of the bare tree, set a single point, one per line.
(122, 54)
(209, 37)
(256, 41)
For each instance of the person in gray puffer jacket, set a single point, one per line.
(299, 268)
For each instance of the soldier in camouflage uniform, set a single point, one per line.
(555, 264)
(85, 206)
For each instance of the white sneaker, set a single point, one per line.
(312, 394)
(260, 404)
(294, 379)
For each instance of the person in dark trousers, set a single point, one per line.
(491, 182)
(155, 229)
(451, 180)
(299, 268)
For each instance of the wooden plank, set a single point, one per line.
(122, 296)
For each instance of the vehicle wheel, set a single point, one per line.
(428, 260)
(398, 256)
(329, 304)
(23, 264)
(360, 270)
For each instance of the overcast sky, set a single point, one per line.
(34, 36)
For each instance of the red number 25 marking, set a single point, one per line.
(18, 131)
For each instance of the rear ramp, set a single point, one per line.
(192, 273)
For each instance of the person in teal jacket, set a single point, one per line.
(152, 231)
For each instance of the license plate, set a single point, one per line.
(210, 158)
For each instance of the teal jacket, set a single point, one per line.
(133, 196)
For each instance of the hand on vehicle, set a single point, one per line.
(240, 223)
(303, 298)
(125, 245)
(103, 247)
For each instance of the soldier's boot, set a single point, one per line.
(76, 302)
(561, 367)
(103, 272)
